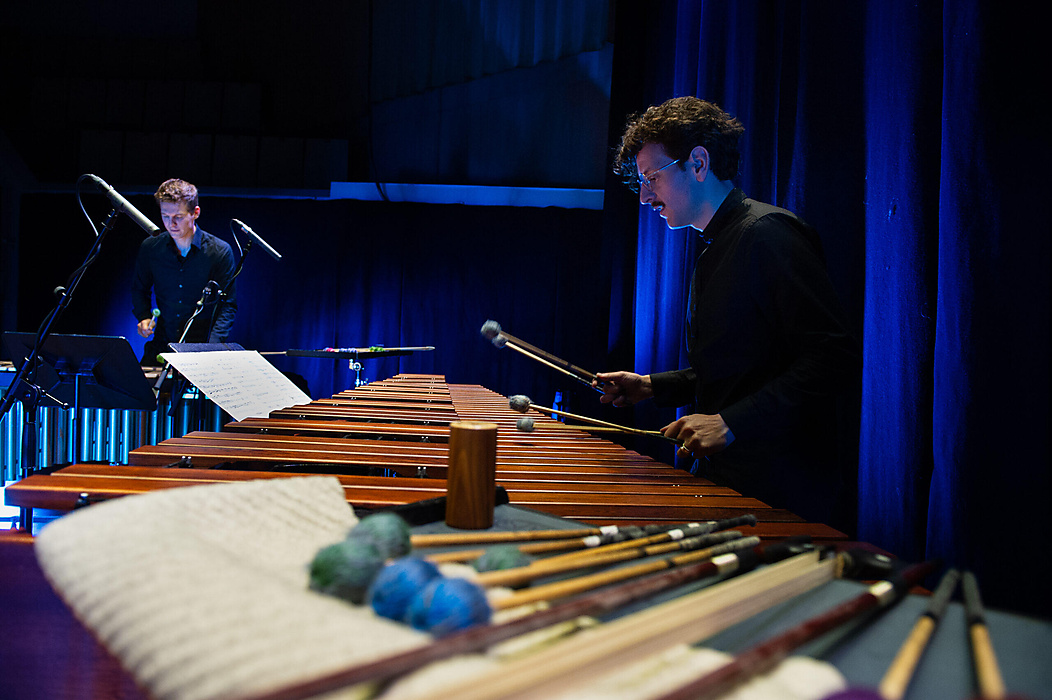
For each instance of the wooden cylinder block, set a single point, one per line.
(471, 479)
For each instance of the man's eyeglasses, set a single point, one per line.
(648, 180)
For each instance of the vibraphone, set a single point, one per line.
(387, 443)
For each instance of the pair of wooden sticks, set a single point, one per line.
(899, 674)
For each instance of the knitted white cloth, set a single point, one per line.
(202, 592)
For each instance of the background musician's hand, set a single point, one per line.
(623, 388)
(145, 327)
(701, 434)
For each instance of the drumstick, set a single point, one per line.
(900, 672)
(612, 538)
(987, 673)
(670, 534)
(540, 569)
(522, 403)
(544, 361)
(630, 534)
(153, 318)
(766, 655)
(594, 603)
(580, 584)
(444, 539)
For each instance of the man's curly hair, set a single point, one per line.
(679, 125)
(176, 191)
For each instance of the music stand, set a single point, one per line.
(87, 371)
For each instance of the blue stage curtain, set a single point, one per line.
(903, 108)
(911, 136)
(992, 482)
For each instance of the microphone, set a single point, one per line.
(209, 293)
(122, 204)
(255, 236)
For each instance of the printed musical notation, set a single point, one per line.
(241, 382)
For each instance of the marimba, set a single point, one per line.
(388, 444)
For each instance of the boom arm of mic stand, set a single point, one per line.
(223, 292)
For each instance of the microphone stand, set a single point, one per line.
(25, 391)
(179, 388)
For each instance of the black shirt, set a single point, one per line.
(177, 283)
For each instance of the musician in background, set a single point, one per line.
(767, 340)
(177, 266)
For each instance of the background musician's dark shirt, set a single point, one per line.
(177, 283)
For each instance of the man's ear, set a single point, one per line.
(699, 162)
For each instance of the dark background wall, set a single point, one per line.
(264, 95)
(263, 107)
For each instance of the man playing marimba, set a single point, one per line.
(178, 266)
(767, 341)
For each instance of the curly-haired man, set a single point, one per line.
(767, 341)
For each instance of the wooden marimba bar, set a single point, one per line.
(382, 438)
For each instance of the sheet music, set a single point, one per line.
(240, 382)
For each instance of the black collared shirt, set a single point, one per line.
(177, 283)
(769, 350)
